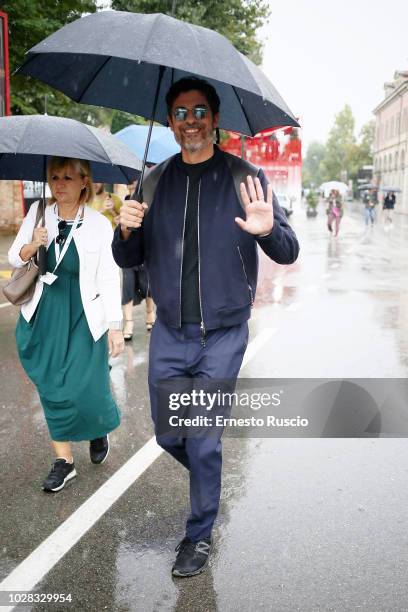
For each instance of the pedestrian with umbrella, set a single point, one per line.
(207, 210)
(199, 244)
(73, 319)
(389, 205)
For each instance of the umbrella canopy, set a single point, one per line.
(367, 186)
(122, 60)
(327, 187)
(162, 143)
(391, 189)
(26, 141)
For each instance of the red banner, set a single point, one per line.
(4, 67)
(278, 152)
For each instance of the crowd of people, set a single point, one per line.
(335, 209)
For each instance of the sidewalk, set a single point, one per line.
(5, 243)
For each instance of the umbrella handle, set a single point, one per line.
(42, 260)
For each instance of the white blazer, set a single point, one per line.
(99, 279)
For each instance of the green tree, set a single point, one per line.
(339, 147)
(311, 176)
(29, 23)
(238, 20)
(362, 152)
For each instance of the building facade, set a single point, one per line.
(391, 139)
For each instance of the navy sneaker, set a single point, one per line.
(192, 557)
(99, 449)
(61, 472)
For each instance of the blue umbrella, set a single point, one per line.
(162, 143)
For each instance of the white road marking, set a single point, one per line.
(257, 343)
(26, 575)
(41, 561)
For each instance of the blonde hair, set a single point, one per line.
(82, 166)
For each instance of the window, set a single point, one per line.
(404, 125)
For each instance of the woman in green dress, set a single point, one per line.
(66, 331)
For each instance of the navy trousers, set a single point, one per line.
(178, 353)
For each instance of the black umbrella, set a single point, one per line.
(27, 140)
(128, 61)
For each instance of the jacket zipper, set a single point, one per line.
(202, 326)
(246, 277)
(182, 244)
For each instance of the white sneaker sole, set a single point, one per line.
(66, 479)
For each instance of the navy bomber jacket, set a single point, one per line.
(228, 258)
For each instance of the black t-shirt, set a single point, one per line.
(190, 293)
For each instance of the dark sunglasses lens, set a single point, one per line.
(200, 112)
(180, 114)
(62, 225)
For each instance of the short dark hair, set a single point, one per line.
(188, 84)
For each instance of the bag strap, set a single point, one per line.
(151, 180)
(240, 169)
(39, 214)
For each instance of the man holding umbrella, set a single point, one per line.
(198, 238)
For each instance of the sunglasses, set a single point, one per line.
(180, 113)
(60, 239)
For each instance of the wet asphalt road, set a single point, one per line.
(304, 524)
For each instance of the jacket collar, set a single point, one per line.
(178, 161)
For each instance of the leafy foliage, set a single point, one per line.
(342, 156)
(29, 23)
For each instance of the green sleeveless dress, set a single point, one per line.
(59, 355)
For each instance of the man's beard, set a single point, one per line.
(193, 147)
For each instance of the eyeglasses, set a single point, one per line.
(180, 113)
(60, 239)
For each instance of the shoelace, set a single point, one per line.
(201, 546)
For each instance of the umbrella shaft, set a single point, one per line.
(156, 98)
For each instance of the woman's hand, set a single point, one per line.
(116, 342)
(40, 238)
(108, 204)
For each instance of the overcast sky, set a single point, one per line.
(321, 54)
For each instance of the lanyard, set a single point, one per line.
(59, 255)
